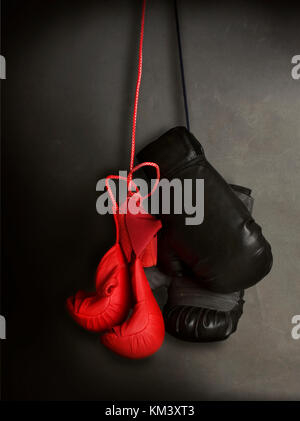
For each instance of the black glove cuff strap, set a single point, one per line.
(185, 293)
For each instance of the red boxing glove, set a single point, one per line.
(110, 304)
(143, 333)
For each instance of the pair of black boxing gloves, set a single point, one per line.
(205, 267)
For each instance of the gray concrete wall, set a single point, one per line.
(67, 107)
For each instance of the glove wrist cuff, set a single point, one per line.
(186, 293)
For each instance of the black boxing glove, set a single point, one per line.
(227, 251)
(195, 314)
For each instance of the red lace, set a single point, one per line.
(138, 84)
(132, 169)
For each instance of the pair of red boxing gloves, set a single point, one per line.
(123, 308)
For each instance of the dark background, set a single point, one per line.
(66, 121)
